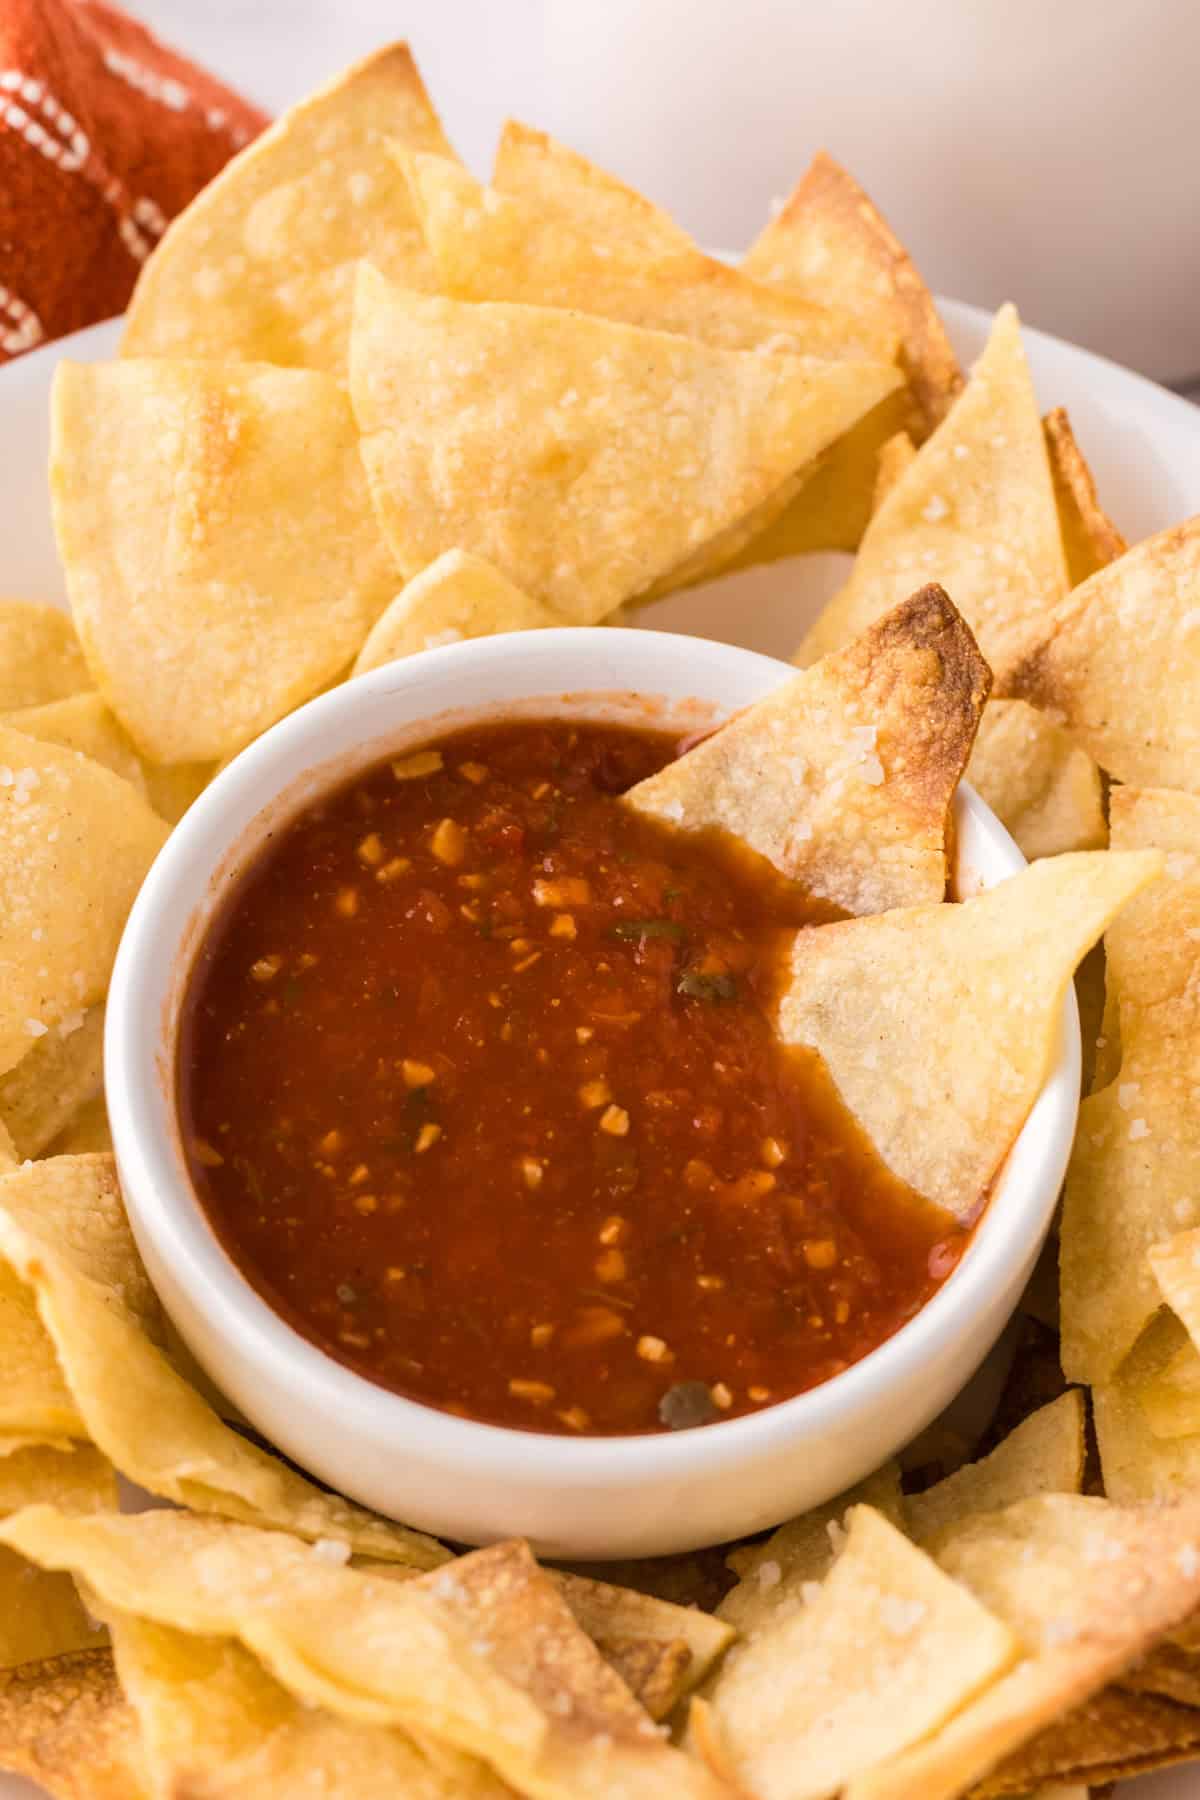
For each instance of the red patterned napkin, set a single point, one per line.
(105, 135)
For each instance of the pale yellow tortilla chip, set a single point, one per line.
(1175, 1265)
(895, 455)
(1087, 1587)
(844, 777)
(201, 625)
(572, 453)
(63, 1234)
(1153, 949)
(829, 241)
(493, 246)
(565, 185)
(1042, 786)
(939, 1024)
(66, 1725)
(885, 1650)
(641, 1637)
(974, 510)
(173, 786)
(75, 842)
(458, 596)
(1118, 662)
(41, 1614)
(260, 266)
(82, 722)
(1043, 1455)
(40, 656)
(1090, 539)
(1138, 1464)
(1162, 1372)
(86, 1131)
(63, 1071)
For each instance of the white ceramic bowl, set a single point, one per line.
(600, 1497)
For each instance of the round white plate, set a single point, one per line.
(1143, 445)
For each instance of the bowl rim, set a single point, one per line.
(164, 1208)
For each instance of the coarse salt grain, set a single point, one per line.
(332, 1551)
(769, 1574)
(1138, 1129)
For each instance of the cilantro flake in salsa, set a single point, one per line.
(479, 1089)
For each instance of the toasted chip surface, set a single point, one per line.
(260, 267)
(162, 475)
(458, 596)
(938, 1024)
(974, 510)
(75, 842)
(1041, 785)
(844, 777)
(563, 184)
(564, 448)
(82, 722)
(641, 1636)
(65, 1724)
(41, 1614)
(1139, 715)
(1090, 539)
(42, 1093)
(1044, 1455)
(40, 656)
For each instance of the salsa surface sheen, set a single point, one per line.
(478, 1087)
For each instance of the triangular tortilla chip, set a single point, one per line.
(894, 458)
(42, 1094)
(828, 241)
(563, 184)
(75, 843)
(1044, 1455)
(260, 266)
(1138, 714)
(66, 1725)
(201, 626)
(1154, 950)
(1090, 539)
(974, 510)
(641, 1636)
(85, 1133)
(1042, 786)
(939, 1024)
(572, 453)
(40, 657)
(844, 777)
(41, 1614)
(493, 246)
(886, 1648)
(82, 722)
(1114, 1735)
(458, 596)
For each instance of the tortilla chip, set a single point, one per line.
(1138, 715)
(1044, 788)
(642, 1638)
(82, 722)
(1114, 1735)
(481, 424)
(458, 596)
(173, 786)
(86, 1133)
(694, 1579)
(1153, 950)
(215, 1724)
(844, 777)
(260, 266)
(894, 458)
(493, 246)
(1137, 1463)
(1088, 1587)
(1169, 1670)
(202, 627)
(776, 1575)
(44, 1091)
(886, 1648)
(828, 241)
(66, 1725)
(939, 1024)
(975, 509)
(8, 1150)
(40, 656)
(1163, 1371)
(1090, 539)
(41, 1614)
(1044, 1455)
(75, 842)
(1175, 1265)
(564, 185)
(63, 1233)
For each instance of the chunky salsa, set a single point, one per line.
(478, 1086)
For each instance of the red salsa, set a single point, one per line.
(479, 1088)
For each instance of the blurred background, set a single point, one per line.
(1046, 154)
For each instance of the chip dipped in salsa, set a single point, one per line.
(479, 1088)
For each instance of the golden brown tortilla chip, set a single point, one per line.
(565, 185)
(40, 657)
(86, 1132)
(894, 458)
(1154, 950)
(939, 1024)
(642, 1637)
(566, 449)
(66, 1725)
(1175, 1265)
(1090, 539)
(1114, 1735)
(1044, 1455)
(1042, 786)
(44, 1091)
(886, 1648)
(8, 1150)
(1170, 1671)
(41, 1614)
(1164, 1368)
(974, 510)
(75, 842)
(173, 786)
(844, 777)
(203, 627)
(458, 596)
(260, 266)
(493, 246)
(82, 722)
(1137, 1464)
(829, 241)
(1136, 709)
